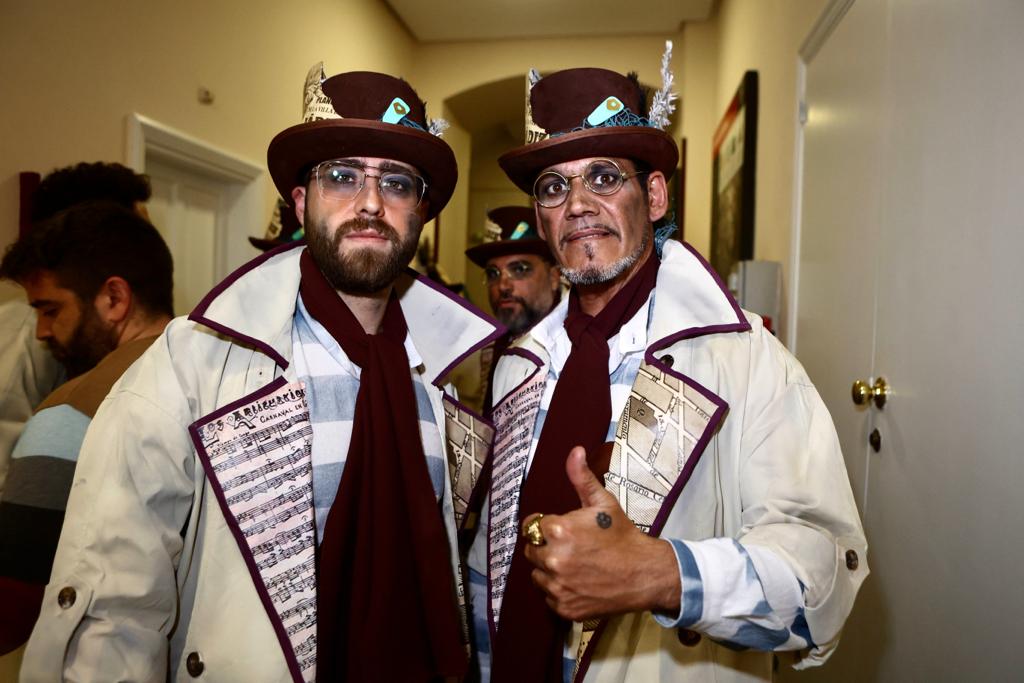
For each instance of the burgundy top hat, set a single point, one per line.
(361, 113)
(509, 230)
(584, 113)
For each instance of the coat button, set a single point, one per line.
(194, 664)
(851, 560)
(668, 360)
(66, 597)
(687, 637)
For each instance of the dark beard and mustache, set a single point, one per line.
(362, 271)
(91, 341)
(519, 321)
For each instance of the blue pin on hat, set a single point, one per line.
(520, 231)
(604, 111)
(396, 111)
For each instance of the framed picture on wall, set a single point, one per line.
(680, 193)
(734, 156)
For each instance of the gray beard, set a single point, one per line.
(364, 271)
(595, 275)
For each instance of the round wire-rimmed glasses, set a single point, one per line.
(601, 176)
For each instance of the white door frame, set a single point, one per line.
(822, 29)
(245, 207)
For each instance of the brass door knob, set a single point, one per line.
(863, 393)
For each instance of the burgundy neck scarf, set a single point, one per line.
(531, 637)
(383, 567)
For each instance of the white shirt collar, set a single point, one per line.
(550, 333)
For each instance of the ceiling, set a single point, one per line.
(432, 21)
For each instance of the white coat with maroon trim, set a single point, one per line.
(149, 582)
(766, 471)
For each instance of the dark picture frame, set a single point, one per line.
(681, 192)
(733, 179)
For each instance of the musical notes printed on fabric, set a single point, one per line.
(514, 420)
(261, 458)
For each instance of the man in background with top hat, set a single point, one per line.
(284, 228)
(667, 500)
(265, 496)
(523, 282)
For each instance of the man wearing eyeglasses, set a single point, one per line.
(523, 282)
(666, 499)
(273, 491)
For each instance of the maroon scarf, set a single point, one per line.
(531, 637)
(383, 571)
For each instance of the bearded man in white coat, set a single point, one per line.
(271, 492)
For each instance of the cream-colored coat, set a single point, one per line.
(772, 475)
(146, 550)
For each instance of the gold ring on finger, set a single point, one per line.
(532, 531)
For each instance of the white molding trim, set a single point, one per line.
(143, 134)
(793, 293)
(819, 33)
(822, 29)
(245, 195)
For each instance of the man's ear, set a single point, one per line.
(299, 198)
(657, 196)
(114, 300)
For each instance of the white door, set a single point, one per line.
(188, 209)
(937, 265)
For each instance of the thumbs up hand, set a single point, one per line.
(595, 562)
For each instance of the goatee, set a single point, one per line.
(595, 275)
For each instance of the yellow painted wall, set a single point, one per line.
(72, 71)
(698, 81)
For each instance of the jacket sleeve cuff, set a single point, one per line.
(691, 602)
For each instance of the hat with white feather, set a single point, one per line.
(583, 113)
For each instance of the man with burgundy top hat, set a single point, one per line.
(667, 500)
(272, 492)
(523, 282)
